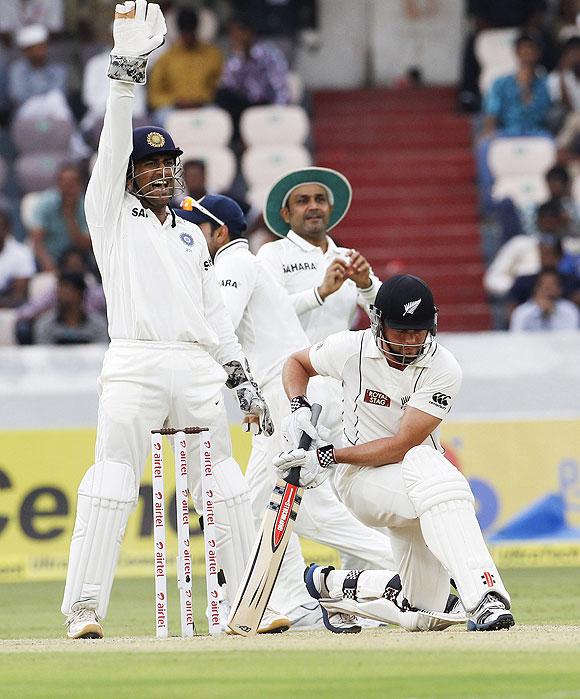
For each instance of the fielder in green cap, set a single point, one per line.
(326, 283)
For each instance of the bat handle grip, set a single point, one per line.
(305, 441)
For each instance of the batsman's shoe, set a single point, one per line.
(83, 623)
(272, 622)
(335, 621)
(306, 617)
(491, 614)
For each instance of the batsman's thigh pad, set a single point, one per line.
(235, 527)
(445, 505)
(106, 496)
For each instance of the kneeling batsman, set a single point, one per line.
(398, 385)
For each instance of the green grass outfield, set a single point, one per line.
(540, 657)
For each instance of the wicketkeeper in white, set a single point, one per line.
(172, 343)
(398, 384)
(269, 332)
(327, 283)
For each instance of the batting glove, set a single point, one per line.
(249, 398)
(138, 29)
(314, 465)
(299, 421)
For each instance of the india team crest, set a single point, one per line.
(155, 139)
(187, 239)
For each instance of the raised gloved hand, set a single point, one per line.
(138, 29)
(314, 465)
(256, 413)
(299, 421)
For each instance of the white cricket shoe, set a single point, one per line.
(272, 622)
(306, 617)
(83, 623)
(491, 614)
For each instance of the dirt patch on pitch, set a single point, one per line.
(520, 638)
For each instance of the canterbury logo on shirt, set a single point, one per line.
(298, 267)
(376, 398)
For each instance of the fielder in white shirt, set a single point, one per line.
(327, 283)
(269, 332)
(172, 343)
(398, 384)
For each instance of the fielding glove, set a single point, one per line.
(138, 29)
(250, 399)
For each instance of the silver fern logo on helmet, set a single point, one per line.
(411, 307)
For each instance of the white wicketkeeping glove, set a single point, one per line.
(138, 29)
(250, 398)
(314, 465)
(300, 420)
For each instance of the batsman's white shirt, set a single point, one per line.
(375, 395)
(300, 267)
(158, 278)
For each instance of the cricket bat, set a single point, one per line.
(269, 548)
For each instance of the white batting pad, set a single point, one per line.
(445, 505)
(234, 523)
(106, 496)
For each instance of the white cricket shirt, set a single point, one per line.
(375, 395)
(300, 267)
(261, 311)
(158, 278)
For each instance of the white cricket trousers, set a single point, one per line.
(322, 517)
(145, 386)
(148, 385)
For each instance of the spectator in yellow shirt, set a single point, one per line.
(186, 75)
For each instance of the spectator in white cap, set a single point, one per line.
(33, 74)
(16, 14)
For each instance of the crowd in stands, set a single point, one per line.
(226, 55)
(521, 79)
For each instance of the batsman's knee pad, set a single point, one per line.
(445, 506)
(235, 526)
(431, 479)
(106, 496)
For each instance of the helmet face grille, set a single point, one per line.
(175, 175)
(406, 354)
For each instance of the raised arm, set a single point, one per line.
(138, 29)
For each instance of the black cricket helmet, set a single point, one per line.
(404, 302)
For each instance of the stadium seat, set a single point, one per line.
(263, 165)
(494, 50)
(94, 134)
(274, 125)
(521, 156)
(28, 205)
(256, 196)
(524, 190)
(209, 126)
(47, 134)
(220, 165)
(37, 171)
(7, 326)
